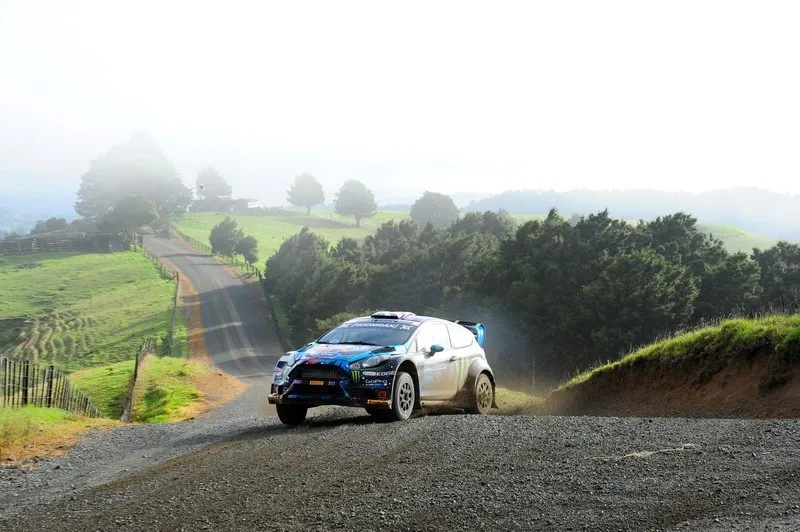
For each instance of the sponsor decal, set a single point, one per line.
(355, 375)
(376, 382)
(394, 324)
(378, 373)
(383, 394)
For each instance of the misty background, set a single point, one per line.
(469, 99)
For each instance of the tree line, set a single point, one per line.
(568, 293)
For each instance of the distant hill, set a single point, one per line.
(752, 209)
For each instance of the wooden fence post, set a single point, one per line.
(26, 368)
(4, 378)
(50, 370)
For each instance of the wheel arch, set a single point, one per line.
(409, 367)
(479, 367)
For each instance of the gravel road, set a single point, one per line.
(240, 469)
(456, 472)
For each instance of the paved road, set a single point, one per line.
(239, 334)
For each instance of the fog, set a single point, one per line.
(445, 96)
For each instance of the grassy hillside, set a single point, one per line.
(739, 367)
(272, 230)
(82, 310)
(736, 239)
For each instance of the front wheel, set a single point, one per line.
(482, 395)
(403, 397)
(291, 415)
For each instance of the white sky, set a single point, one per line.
(450, 96)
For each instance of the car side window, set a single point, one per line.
(440, 335)
(461, 336)
(424, 339)
(430, 334)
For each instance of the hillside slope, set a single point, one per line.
(740, 368)
(81, 310)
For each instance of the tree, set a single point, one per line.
(435, 208)
(213, 191)
(306, 192)
(130, 213)
(50, 225)
(225, 236)
(780, 276)
(136, 167)
(247, 247)
(356, 200)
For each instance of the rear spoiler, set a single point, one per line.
(475, 328)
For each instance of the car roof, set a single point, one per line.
(412, 317)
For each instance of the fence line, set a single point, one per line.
(81, 242)
(148, 348)
(24, 384)
(234, 261)
(167, 273)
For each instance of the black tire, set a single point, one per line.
(482, 396)
(291, 415)
(404, 397)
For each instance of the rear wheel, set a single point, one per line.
(403, 397)
(482, 395)
(291, 415)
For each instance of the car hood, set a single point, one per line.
(334, 353)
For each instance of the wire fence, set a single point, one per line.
(80, 242)
(148, 348)
(27, 384)
(167, 273)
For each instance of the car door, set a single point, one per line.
(437, 379)
(464, 350)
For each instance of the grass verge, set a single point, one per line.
(107, 386)
(168, 390)
(511, 402)
(34, 432)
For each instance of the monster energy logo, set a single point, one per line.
(355, 375)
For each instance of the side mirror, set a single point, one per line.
(436, 348)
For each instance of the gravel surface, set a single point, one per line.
(238, 468)
(456, 472)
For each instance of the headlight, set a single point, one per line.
(376, 360)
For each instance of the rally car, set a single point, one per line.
(389, 363)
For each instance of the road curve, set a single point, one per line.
(239, 333)
(240, 469)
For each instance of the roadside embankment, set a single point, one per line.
(739, 368)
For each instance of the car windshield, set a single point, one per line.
(385, 332)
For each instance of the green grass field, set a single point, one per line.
(83, 310)
(728, 339)
(271, 231)
(736, 239)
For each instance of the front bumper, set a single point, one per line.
(326, 392)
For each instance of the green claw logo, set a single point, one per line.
(355, 375)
